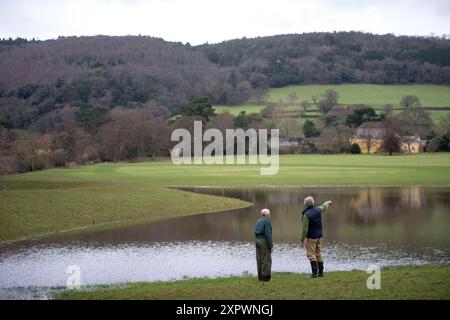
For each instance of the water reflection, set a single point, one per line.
(407, 216)
(363, 215)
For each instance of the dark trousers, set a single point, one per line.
(263, 259)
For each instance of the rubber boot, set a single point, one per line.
(320, 266)
(314, 268)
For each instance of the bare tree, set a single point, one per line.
(328, 102)
(288, 127)
(368, 135)
(391, 136)
(388, 110)
(444, 125)
(34, 152)
(336, 139)
(410, 101)
(133, 134)
(222, 122)
(416, 122)
(260, 94)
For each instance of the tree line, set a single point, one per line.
(334, 58)
(89, 134)
(39, 78)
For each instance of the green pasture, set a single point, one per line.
(375, 96)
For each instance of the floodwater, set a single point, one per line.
(366, 225)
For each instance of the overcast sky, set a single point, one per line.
(199, 21)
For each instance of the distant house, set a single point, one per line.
(411, 144)
(369, 138)
(290, 145)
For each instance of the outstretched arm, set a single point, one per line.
(325, 206)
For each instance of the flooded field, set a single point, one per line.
(366, 225)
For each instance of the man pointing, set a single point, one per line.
(312, 234)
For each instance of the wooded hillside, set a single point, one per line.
(41, 77)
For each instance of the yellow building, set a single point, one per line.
(411, 144)
(370, 140)
(368, 145)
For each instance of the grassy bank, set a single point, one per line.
(424, 282)
(37, 208)
(57, 200)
